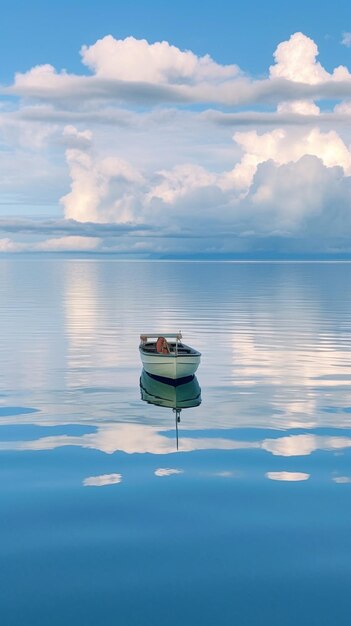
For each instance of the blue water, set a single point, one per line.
(102, 520)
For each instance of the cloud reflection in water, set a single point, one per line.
(101, 481)
(287, 476)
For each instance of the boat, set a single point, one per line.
(165, 356)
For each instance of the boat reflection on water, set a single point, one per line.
(177, 395)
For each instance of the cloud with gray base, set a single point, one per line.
(282, 180)
(135, 70)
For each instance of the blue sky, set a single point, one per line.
(38, 32)
(207, 144)
(41, 32)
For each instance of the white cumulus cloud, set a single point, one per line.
(285, 181)
(133, 59)
(180, 181)
(77, 138)
(283, 146)
(295, 60)
(135, 70)
(299, 107)
(102, 189)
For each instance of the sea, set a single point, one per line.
(116, 509)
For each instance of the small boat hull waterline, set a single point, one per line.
(179, 361)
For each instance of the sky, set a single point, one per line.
(170, 130)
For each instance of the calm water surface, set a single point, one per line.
(102, 520)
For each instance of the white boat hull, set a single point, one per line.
(170, 365)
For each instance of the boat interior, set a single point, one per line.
(181, 348)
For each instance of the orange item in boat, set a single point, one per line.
(162, 346)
